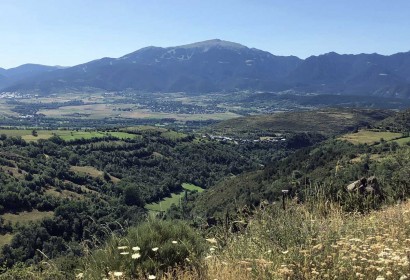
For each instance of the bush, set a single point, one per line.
(151, 248)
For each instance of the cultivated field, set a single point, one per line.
(370, 137)
(66, 135)
(26, 217)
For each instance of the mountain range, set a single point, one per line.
(217, 65)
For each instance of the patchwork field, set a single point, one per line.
(370, 137)
(26, 217)
(67, 135)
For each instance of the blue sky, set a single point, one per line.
(70, 32)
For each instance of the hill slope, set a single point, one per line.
(25, 71)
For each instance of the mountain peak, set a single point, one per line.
(213, 43)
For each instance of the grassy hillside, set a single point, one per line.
(325, 121)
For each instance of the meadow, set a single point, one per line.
(66, 135)
(175, 199)
(26, 217)
(370, 137)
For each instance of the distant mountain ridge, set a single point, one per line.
(217, 65)
(25, 71)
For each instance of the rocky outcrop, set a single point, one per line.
(365, 186)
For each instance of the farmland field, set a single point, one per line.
(369, 137)
(402, 141)
(67, 135)
(26, 217)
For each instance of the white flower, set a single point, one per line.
(152, 277)
(211, 240)
(124, 253)
(212, 249)
(174, 242)
(80, 275)
(136, 248)
(155, 249)
(118, 274)
(122, 247)
(136, 256)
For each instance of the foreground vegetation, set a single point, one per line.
(87, 202)
(315, 240)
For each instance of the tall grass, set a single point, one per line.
(306, 242)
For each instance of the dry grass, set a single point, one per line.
(5, 239)
(92, 171)
(26, 217)
(305, 245)
(370, 137)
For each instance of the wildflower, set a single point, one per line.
(136, 248)
(403, 277)
(124, 253)
(212, 249)
(208, 257)
(79, 275)
(211, 240)
(118, 273)
(285, 252)
(152, 277)
(135, 256)
(174, 242)
(122, 247)
(318, 247)
(155, 249)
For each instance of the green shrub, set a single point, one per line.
(151, 248)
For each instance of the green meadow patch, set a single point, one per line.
(402, 141)
(67, 135)
(192, 187)
(175, 198)
(26, 217)
(5, 239)
(370, 137)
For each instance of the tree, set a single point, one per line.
(132, 196)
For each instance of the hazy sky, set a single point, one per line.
(69, 32)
